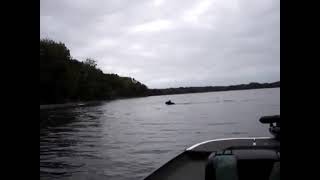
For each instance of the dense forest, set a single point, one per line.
(183, 90)
(64, 79)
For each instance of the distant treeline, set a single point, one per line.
(64, 79)
(183, 90)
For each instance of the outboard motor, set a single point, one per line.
(274, 122)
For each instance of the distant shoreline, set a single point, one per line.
(212, 91)
(88, 103)
(186, 90)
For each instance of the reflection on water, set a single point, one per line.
(129, 138)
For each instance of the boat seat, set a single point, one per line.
(275, 173)
(221, 167)
(229, 165)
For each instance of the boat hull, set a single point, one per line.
(190, 164)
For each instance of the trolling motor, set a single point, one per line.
(274, 122)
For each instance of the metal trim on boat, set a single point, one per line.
(225, 139)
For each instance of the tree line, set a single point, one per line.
(183, 90)
(65, 79)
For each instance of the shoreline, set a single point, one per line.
(88, 103)
(213, 91)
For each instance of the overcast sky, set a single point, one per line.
(169, 43)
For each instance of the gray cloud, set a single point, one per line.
(166, 43)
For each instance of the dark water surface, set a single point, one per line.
(129, 138)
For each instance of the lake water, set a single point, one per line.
(129, 138)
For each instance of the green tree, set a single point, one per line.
(64, 79)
